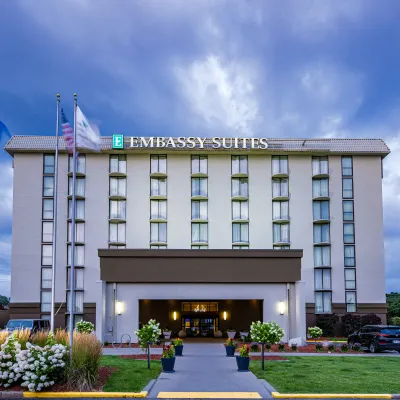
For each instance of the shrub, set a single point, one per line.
(84, 327)
(357, 347)
(281, 347)
(328, 323)
(39, 338)
(255, 348)
(244, 351)
(230, 342)
(395, 321)
(293, 347)
(314, 332)
(266, 332)
(370, 319)
(331, 348)
(351, 323)
(169, 352)
(22, 335)
(344, 348)
(319, 347)
(148, 333)
(178, 342)
(267, 347)
(9, 372)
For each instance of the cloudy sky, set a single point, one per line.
(288, 68)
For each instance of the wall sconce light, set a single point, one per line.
(281, 307)
(120, 307)
(174, 316)
(224, 315)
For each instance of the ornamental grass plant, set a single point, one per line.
(39, 338)
(3, 337)
(23, 336)
(61, 337)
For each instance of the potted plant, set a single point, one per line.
(231, 333)
(244, 333)
(168, 359)
(243, 359)
(178, 346)
(230, 348)
(167, 333)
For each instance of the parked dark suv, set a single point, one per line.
(377, 338)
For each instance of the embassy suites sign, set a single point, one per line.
(118, 142)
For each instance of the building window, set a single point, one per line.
(117, 209)
(158, 164)
(79, 209)
(45, 301)
(322, 256)
(349, 256)
(321, 210)
(49, 164)
(320, 166)
(47, 231)
(322, 279)
(347, 166)
(320, 187)
(79, 255)
(350, 278)
(199, 233)
(79, 232)
(199, 164)
(79, 272)
(347, 188)
(351, 301)
(158, 209)
(158, 232)
(79, 187)
(118, 163)
(48, 186)
(280, 165)
(323, 302)
(46, 278)
(77, 318)
(199, 209)
(281, 247)
(48, 208)
(199, 187)
(117, 246)
(280, 187)
(321, 233)
(348, 210)
(240, 187)
(240, 247)
(158, 247)
(240, 210)
(280, 210)
(240, 233)
(47, 254)
(80, 164)
(281, 233)
(78, 302)
(117, 232)
(158, 187)
(239, 165)
(117, 186)
(196, 247)
(348, 233)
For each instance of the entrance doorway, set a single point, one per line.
(204, 326)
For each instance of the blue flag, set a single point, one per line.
(3, 129)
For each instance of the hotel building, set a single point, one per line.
(201, 238)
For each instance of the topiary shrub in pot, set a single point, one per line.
(178, 346)
(243, 359)
(230, 348)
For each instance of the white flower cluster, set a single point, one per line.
(37, 367)
(149, 333)
(315, 332)
(84, 327)
(266, 332)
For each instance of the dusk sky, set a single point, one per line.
(288, 68)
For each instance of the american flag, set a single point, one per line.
(67, 131)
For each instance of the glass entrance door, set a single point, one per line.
(195, 326)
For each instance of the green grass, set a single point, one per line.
(132, 375)
(332, 374)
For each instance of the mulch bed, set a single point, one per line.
(310, 348)
(132, 346)
(142, 357)
(269, 358)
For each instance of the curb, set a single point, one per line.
(88, 395)
(12, 395)
(278, 395)
(149, 386)
(268, 386)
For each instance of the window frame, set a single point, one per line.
(352, 188)
(347, 212)
(344, 255)
(350, 280)
(280, 158)
(345, 242)
(44, 163)
(352, 167)
(199, 158)
(158, 157)
(239, 160)
(347, 292)
(201, 226)
(323, 293)
(248, 232)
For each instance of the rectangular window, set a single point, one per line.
(48, 186)
(118, 163)
(350, 278)
(320, 187)
(117, 186)
(239, 165)
(47, 254)
(240, 187)
(281, 233)
(79, 187)
(158, 164)
(79, 272)
(351, 301)
(322, 256)
(281, 247)
(240, 233)
(199, 164)
(348, 233)
(78, 302)
(347, 188)
(117, 232)
(199, 209)
(199, 187)
(158, 232)
(117, 209)
(46, 278)
(79, 232)
(280, 187)
(158, 247)
(349, 256)
(280, 165)
(347, 166)
(242, 247)
(320, 210)
(196, 247)
(79, 255)
(322, 279)
(240, 210)
(320, 166)
(48, 208)
(49, 164)
(45, 301)
(77, 318)
(280, 210)
(158, 209)
(323, 302)
(79, 209)
(348, 210)
(117, 247)
(47, 232)
(321, 233)
(80, 164)
(199, 233)
(158, 187)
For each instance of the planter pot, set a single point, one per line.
(182, 334)
(167, 335)
(231, 335)
(178, 350)
(244, 333)
(242, 363)
(230, 351)
(168, 364)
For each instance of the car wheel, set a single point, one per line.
(372, 348)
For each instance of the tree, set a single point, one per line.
(4, 301)
(393, 302)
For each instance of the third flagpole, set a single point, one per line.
(55, 217)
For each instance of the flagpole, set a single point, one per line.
(55, 218)
(72, 281)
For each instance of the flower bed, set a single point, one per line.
(269, 358)
(310, 348)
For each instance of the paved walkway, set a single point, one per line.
(204, 367)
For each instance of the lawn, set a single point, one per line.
(131, 376)
(332, 374)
